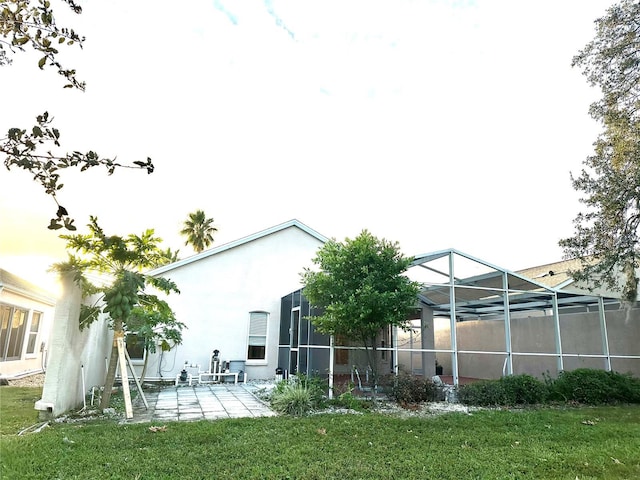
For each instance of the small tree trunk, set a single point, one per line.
(144, 366)
(113, 365)
(372, 358)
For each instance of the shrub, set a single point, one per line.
(318, 387)
(594, 387)
(350, 401)
(404, 388)
(483, 393)
(524, 390)
(291, 399)
(511, 390)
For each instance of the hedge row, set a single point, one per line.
(584, 385)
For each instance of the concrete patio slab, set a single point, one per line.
(200, 402)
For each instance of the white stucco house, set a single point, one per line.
(26, 315)
(230, 300)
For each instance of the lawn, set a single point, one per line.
(16, 408)
(549, 443)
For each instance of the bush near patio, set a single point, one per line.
(302, 394)
(407, 389)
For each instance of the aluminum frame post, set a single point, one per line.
(452, 320)
(507, 323)
(331, 359)
(556, 321)
(604, 334)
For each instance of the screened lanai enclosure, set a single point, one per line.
(475, 320)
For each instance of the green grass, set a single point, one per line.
(16, 408)
(587, 443)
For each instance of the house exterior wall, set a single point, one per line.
(35, 362)
(77, 358)
(580, 334)
(219, 291)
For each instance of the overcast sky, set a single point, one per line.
(436, 124)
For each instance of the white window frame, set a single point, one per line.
(258, 331)
(36, 335)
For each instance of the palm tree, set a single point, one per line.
(199, 231)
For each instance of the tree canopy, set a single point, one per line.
(199, 230)
(30, 24)
(606, 232)
(361, 289)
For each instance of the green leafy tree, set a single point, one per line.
(31, 25)
(199, 230)
(361, 289)
(606, 233)
(124, 297)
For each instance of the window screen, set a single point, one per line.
(257, 341)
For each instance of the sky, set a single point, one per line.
(436, 124)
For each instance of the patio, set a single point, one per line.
(201, 402)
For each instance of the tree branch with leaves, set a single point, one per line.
(606, 233)
(22, 147)
(30, 24)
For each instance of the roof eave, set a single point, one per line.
(238, 242)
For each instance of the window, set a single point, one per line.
(135, 346)
(12, 329)
(33, 332)
(257, 344)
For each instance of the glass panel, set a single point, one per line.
(293, 362)
(302, 361)
(304, 331)
(296, 298)
(135, 346)
(256, 352)
(295, 328)
(283, 357)
(5, 317)
(16, 336)
(285, 320)
(33, 332)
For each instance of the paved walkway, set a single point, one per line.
(210, 402)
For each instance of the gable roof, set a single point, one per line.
(15, 284)
(241, 241)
